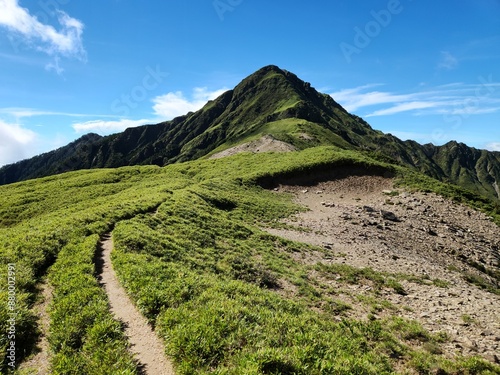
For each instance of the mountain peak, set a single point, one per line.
(275, 75)
(269, 68)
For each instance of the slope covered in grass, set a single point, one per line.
(191, 252)
(270, 102)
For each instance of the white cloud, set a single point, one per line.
(353, 99)
(461, 99)
(493, 146)
(54, 66)
(27, 29)
(448, 61)
(404, 107)
(20, 113)
(16, 143)
(107, 127)
(175, 104)
(165, 107)
(467, 110)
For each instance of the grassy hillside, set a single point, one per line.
(191, 253)
(273, 102)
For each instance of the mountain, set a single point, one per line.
(68, 158)
(271, 102)
(323, 260)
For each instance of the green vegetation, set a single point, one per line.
(227, 297)
(269, 102)
(468, 319)
(208, 282)
(355, 275)
(63, 211)
(83, 335)
(483, 282)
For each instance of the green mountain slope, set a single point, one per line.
(71, 157)
(191, 251)
(270, 101)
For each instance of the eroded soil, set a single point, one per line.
(363, 221)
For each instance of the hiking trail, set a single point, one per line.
(146, 346)
(39, 364)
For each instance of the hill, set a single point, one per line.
(214, 254)
(271, 102)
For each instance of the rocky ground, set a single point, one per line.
(265, 144)
(364, 221)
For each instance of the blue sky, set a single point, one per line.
(419, 69)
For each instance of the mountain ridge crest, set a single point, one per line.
(275, 102)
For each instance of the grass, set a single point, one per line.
(75, 205)
(481, 282)
(192, 256)
(468, 319)
(84, 337)
(379, 280)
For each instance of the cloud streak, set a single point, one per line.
(452, 99)
(448, 61)
(19, 113)
(403, 107)
(494, 146)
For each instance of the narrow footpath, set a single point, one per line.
(39, 364)
(146, 346)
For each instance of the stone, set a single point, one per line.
(388, 215)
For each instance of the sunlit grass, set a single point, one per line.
(191, 253)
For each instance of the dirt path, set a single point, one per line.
(265, 144)
(145, 344)
(39, 364)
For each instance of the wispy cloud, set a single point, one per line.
(448, 61)
(354, 98)
(16, 142)
(54, 66)
(24, 28)
(20, 113)
(493, 146)
(175, 104)
(403, 107)
(451, 99)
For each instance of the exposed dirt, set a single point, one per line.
(39, 364)
(364, 222)
(265, 144)
(145, 344)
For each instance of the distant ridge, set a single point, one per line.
(67, 158)
(274, 102)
